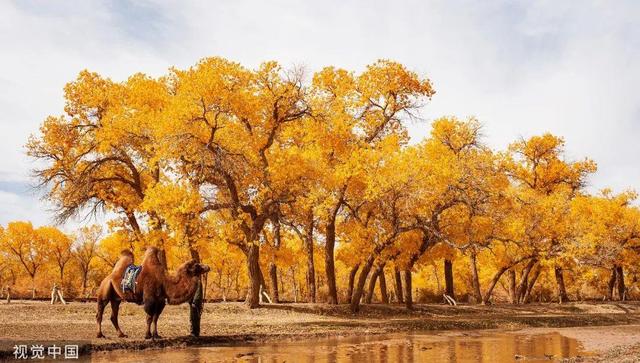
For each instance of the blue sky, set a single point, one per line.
(522, 68)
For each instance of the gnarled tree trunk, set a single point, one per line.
(612, 283)
(562, 291)
(408, 296)
(372, 285)
(330, 241)
(532, 282)
(398, 285)
(621, 286)
(524, 281)
(448, 279)
(311, 271)
(383, 287)
(475, 279)
(362, 279)
(511, 275)
(255, 276)
(273, 276)
(352, 278)
(492, 284)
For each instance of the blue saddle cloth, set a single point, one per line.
(129, 278)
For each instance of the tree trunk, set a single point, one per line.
(532, 282)
(311, 270)
(362, 279)
(295, 285)
(612, 283)
(448, 279)
(512, 286)
(372, 285)
(33, 287)
(492, 285)
(475, 279)
(384, 297)
(329, 259)
(398, 285)
(524, 281)
(273, 276)
(408, 296)
(84, 283)
(255, 276)
(562, 291)
(352, 278)
(621, 287)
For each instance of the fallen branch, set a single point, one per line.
(449, 300)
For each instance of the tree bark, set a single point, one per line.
(492, 285)
(62, 276)
(295, 286)
(311, 270)
(273, 276)
(524, 281)
(255, 276)
(562, 291)
(384, 296)
(352, 278)
(512, 286)
(475, 279)
(362, 279)
(398, 285)
(84, 283)
(612, 283)
(448, 278)
(408, 296)
(621, 286)
(329, 258)
(532, 282)
(372, 286)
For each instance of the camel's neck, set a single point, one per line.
(180, 288)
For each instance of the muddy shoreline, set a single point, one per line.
(233, 324)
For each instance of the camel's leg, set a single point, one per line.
(115, 308)
(155, 321)
(100, 311)
(149, 321)
(155, 326)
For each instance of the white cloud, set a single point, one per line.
(522, 68)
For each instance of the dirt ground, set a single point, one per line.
(233, 323)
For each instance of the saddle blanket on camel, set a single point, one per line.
(129, 279)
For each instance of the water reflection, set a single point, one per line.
(446, 347)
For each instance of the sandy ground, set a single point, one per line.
(232, 322)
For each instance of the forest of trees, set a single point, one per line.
(311, 188)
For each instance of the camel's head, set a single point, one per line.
(193, 268)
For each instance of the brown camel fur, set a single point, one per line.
(155, 288)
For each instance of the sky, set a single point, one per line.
(522, 68)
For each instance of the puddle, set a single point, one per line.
(467, 346)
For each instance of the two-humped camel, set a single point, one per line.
(154, 288)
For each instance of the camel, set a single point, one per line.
(155, 288)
